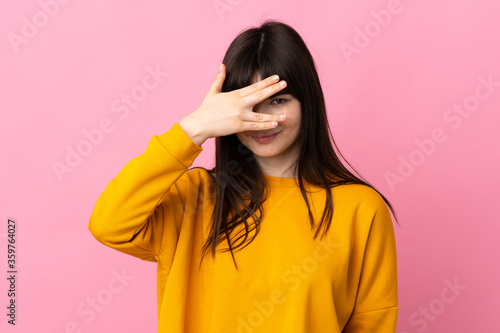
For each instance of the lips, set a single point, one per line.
(263, 135)
(264, 138)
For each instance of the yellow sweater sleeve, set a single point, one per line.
(376, 305)
(130, 214)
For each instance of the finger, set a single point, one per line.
(263, 94)
(251, 116)
(218, 81)
(258, 126)
(253, 88)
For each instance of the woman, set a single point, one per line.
(279, 236)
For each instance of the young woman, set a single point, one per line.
(279, 236)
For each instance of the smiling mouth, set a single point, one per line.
(265, 135)
(264, 138)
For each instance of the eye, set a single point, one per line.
(280, 100)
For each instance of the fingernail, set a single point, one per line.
(282, 116)
(282, 83)
(276, 78)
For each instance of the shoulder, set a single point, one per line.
(361, 200)
(193, 184)
(359, 194)
(364, 210)
(198, 176)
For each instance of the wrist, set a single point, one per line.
(193, 130)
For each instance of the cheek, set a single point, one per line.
(292, 123)
(241, 136)
(293, 118)
(244, 139)
(292, 129)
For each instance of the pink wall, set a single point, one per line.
(406, 84)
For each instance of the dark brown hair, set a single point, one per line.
(273, 48)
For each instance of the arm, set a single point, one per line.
(129, 214)
(376, 306)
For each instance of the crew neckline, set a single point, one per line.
(279, 181)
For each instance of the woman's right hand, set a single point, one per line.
(231, 112)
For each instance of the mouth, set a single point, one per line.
(265, 137)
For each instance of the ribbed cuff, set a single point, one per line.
(179, 145)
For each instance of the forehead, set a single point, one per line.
(255, 77)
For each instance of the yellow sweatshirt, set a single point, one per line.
(286, 281)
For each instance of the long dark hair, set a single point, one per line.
(240, 188)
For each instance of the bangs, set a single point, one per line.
(243, 65)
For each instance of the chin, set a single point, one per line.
(263, 151)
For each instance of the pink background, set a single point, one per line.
(66, 75)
